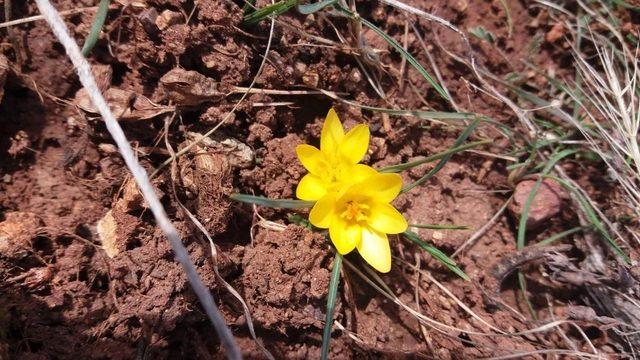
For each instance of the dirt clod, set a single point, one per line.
(274, 279)
(16, 231)
(556, 33)
(168, 18)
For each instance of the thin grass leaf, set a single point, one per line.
(331, 305)
(522, 282)
(271, 10)
(532, 98)
(436, 253)
(272, 203)
(522, 225)
(560, 235)
(428, 159)
(518, 165)
(439, 227)
(248, 6)
(593, 218)
(626, 5)
(482, 34)
(301, 221)
(307, 9)
(461, 139)
(398, 48)
(507, 13)
(96, 27)
(420, 114)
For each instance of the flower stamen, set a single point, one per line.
(355, 211)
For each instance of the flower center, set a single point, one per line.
(355, 211)
(333, 175)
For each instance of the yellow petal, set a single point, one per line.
(350, 175)
(380, 187)
(374, 249)
(355, 144)
(345, 236)
(311, 158)
(385, 218)
(323, 212)
(332, 133)
(361, 172)
(311, 188)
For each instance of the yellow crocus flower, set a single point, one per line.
(360, 216)
(335, 164)
(352, 200)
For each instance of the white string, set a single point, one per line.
(139, 174)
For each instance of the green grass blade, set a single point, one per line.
(439, 227)
(507, 13)
(522, 224)
(248, 6)
(560, 235)
(307, 9)
(593, 218)
(272, 203)
(436, 253)
(461, 139)
(522, 282)
(96, 27)
(331, 305)
(271, 10)
(409, 58)
(482, 34)
(626, 5)
(398, 48)
(428, 159)
(300, 220)
(420, 114)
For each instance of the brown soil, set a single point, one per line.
(63, 296)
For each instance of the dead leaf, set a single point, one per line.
(125, 105)
(103, 75)
(107, 231)
(189, 88)
(239, 154)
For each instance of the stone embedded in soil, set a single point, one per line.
(546, 204)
